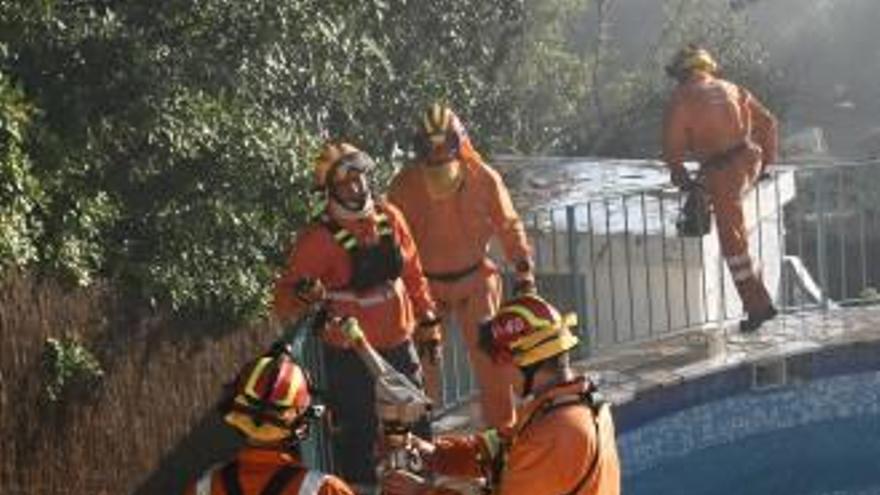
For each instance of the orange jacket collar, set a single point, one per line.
(577, 386)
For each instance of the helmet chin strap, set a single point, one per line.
(530, 390)
(528, 380)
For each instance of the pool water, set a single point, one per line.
(821, 437)
(840, 457)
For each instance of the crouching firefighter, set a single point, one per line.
(360, 253)
(563, 441)
(270, 404)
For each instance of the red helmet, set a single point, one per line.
(271, 395)
(527, 330)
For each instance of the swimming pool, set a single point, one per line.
(814, 429)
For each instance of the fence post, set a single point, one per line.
(574, 273)
(821, 247)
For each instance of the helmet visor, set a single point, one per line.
(359, 162)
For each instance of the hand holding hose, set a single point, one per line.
(399, 477)
(309, 291)
(334, 330)
(680, 178)
(335, 334)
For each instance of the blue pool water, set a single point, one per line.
(818, 437)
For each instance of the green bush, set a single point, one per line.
(70, 371)
(570, 91)
(165, 146)
(173, 139)
(20, 194)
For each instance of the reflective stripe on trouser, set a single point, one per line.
(496, 399)
(740, 267)
(726, 186)
(748, 284)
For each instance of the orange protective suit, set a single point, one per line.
(388, 314)
(253, 468)
(331, 251)
(553, 448)
(452, 232)
(734, 138)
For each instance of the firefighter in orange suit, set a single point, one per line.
(733, 137)
(271, 406)
(455, 204)
(563, 441)
(360, 251)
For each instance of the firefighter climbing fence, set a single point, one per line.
(618, 260)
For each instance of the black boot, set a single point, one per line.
(755, 320)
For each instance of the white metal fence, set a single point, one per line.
(618, 261)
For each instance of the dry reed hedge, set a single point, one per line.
(161, 380)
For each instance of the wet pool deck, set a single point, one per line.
(627, 371)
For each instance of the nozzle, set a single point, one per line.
(352, 329)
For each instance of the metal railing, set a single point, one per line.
(616, 259)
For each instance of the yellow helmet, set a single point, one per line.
(527, 330)
(440, 129)
(271, 399)
(436, 121)
(691, 58)
(338, 157)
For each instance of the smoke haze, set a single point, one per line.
(829, 51)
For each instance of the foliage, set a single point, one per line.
(20, 194)
(173, 139)
(165, 145)
(639, 93)
(573, 92)
(545, 81)
(69, 370)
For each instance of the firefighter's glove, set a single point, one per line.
(525, 279)
(309, 291)
(386, 444)
(429, 338)
(680, 178)
(337, 333)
